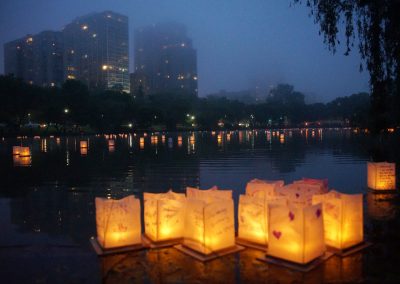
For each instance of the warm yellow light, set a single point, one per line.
(164, 215)
(208, 194)
(24, 152)
(83, 144)
(118, 222)
(84, 151)
(296, 233)
(111, 143)
(104, 67)
(16, 150)
(382, 176)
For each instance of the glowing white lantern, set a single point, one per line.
(164, 215)
(209, 226)
(382, 176)
(263, 188)
(208, 194)
(300, 193)
(118, 222)
(253, 218)
(343, 218)
(323, 183)
(296, 233)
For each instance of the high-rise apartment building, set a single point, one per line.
(37, 59)
(96, 51)
(165, 59)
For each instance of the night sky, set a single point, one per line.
(240, 44)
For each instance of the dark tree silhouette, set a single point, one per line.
(377, 24)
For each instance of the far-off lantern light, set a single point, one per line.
(382, 176)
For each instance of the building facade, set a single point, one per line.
(36, 59)
(164, 55)
(96, 51)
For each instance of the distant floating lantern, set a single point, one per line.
(16, 150)
(111, 143)
(296, 234)
(262, 188)
(343, 219)
(118, 224)
(179, 141)
(164, 216)
(21, 161)
(208, 194)
(209, 226)
(83, 144)
(163, 139)
(253, 219)
(382, 176)
(84, 151)
(24, 152)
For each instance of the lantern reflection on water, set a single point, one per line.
(164, 215)
(343, 218)
(382, 176)
(118, 222)
(24, 152)
(381, 206)
(296, 233)
(21, 161)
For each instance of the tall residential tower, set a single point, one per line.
(164, 55)
(96, 51)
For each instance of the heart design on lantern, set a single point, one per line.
(291, 216)
(318, 213)
(277, 234)
(297, 195)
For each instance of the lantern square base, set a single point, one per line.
(103, 252)
(207, 257)
(297, 266)
(250, 244)
(161, 244)
(350, 250)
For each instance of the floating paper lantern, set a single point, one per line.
(16, 150)
(300, 193)
(24, 152)
(323, 183)
(263, 188)
(296, 234)
(209, 226)
(253, 218)
(21, 161)
(83, 144)
(111, 143)
(208, 194)
(382, 176)
(118, 222)
(164, 215)
(84, 151)
(343, 218)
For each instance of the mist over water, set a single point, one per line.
(240, 45)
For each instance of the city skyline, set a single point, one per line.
(239, 46)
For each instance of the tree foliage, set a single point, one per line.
(376, 23)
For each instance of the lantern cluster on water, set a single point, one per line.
(21, 156)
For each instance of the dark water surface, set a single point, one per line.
(47, 208)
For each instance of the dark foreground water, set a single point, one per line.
(47, 208)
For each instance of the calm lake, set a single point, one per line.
(47, 212)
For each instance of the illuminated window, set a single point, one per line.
(52, 84)
(71, 77)
(84, 27)
(94, 35)
(166, 61)
(29, 40)
(109, 16)
(72, 51)
(85, 56)
(183, 44)
(18, 47)
(195, 78)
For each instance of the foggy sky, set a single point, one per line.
(240, 44)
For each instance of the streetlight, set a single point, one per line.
(66, 110)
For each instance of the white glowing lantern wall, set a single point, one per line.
(300, 193)
(296, 233)
(118, 222)
(343, 218)
(253, 218)
(208, 194)
(209, 226)
(262, 188)
(164, 215)
(382, 176)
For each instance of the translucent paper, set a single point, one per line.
(262, 188)
(164, 215)
(296, 233)
(208, 194)
(300, 193)
(118, 222)
(209, 226)
(253, 218)
(343, 218)
(382, 176)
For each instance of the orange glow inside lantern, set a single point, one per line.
(83, 144)
(209, 226)
(19, 161)
(296, 233)
(16, 150)
(111, 143)
(84, 151)
(382, 176)
(24, 152)
(343, 218)
(253, 218)
(118, 222)
(164, 215)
